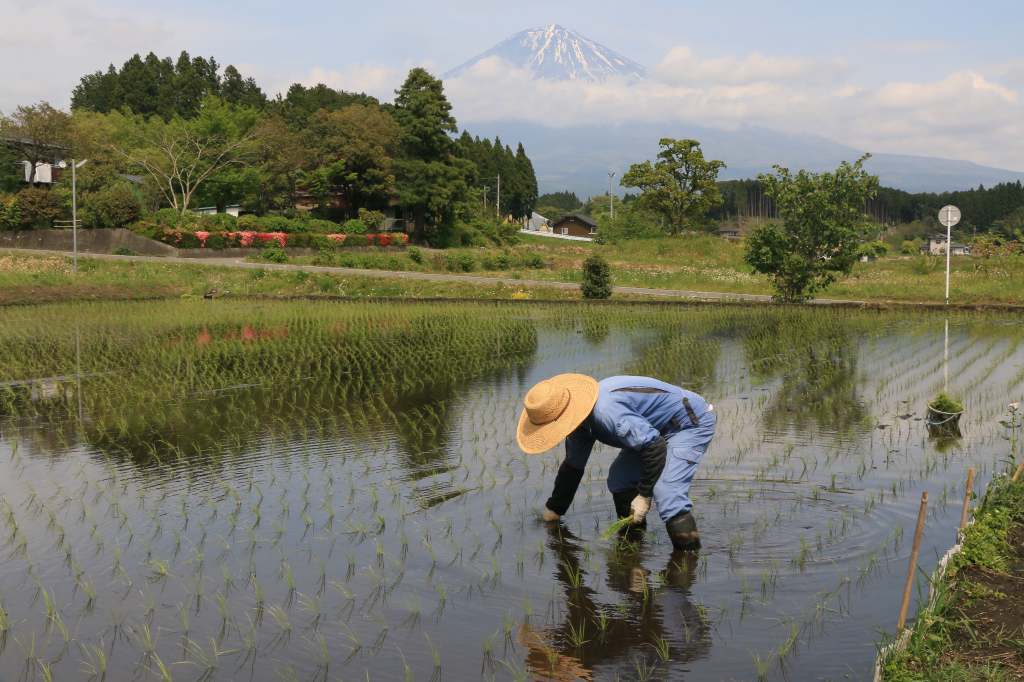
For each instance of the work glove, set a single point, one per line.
(549, 515)
(640, 506)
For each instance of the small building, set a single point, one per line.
(936, 246)
(574, 225)
(538, 223)
(729, 231)
(232, 210)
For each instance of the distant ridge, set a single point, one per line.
(558, 53)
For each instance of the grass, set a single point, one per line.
(975, 628)
(693, 262)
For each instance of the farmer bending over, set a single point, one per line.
(663, 431)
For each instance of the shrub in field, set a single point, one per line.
(115, 205)
(273, 253)
(415, 255)
(532, 260)
(38, 208)
(461, 262)
(10, 214)
(823, 222)
(355, 226)
(502, 261)
(597, 278)
(374, 220)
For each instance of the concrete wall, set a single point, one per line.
(99, 240)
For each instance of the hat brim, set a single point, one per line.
(534, 439)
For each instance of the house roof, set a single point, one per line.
(586, 220)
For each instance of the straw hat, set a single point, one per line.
(553, 409)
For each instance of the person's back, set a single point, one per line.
(663, 432)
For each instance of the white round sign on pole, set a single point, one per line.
(949, 216)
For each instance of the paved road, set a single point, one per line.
(430, 276)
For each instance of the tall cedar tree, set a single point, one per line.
(153, 86)
(431, 180)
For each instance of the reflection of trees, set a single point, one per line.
(617, 633)
(680, 358)
(816, 357)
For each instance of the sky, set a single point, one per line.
(906, 76)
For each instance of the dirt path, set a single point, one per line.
(431, 276)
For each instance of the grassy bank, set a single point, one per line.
(707, 263)
(29, 278)
(976, 629)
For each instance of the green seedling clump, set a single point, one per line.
(944, 403)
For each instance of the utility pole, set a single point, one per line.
(497, 200)
(74, 212)
(611, 197)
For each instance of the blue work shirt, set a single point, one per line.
(630, 413)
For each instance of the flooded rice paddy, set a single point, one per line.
(208, 490)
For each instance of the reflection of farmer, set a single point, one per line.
(663, 431)
(614, 631)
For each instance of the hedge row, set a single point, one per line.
(202, 239)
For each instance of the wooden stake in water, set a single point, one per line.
(968, 493)
(912, 568)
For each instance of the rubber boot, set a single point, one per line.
(622, 510)
(682, 529)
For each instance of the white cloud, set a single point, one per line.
(46, 46)
(966, 114)
(682, 66)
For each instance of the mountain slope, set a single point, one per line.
(557, 53)
(578, 158)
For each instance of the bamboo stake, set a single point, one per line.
(1017, 473)
(967, 498)
(912, 568)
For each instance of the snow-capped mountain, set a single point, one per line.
(557, 53)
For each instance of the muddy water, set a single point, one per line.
(290, 530)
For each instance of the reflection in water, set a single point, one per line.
(653, 623)
(679, 358)
(817, 363)
(345, 469)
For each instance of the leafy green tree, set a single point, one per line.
(353, 149)
(431, 180)
(597, 278)
(681, 184)
(822, 226)
(37, 133)
(300, 102)
(178, 155)
(630, 222)
(12, 172)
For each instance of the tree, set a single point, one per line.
(353, 152)
(597, 278)
(38, 133)
(681, 185)
(823, 223)
(424, 113)
(179, 156)
(242, 91)
(430, 179)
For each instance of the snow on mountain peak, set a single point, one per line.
(557, 53)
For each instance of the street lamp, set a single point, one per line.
(74, 212)
(611, 198)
